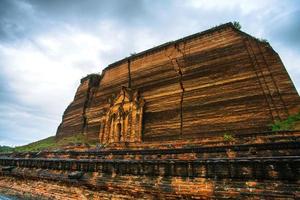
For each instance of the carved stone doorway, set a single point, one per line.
(123, 120)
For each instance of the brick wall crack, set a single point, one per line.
(178, 70)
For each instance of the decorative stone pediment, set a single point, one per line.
(123, 120)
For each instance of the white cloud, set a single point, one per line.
(43, 74)
(244, 6)
(21, 125)
(292, 64)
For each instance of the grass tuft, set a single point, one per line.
(6, 149)
(228, 137)
(290, 123)
(52, 143)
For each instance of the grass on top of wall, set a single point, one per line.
(52, 143)
(291, 123)
(6, 149)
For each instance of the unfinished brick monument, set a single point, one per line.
(216, 81)
(161, 117)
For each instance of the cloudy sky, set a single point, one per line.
(47, 46)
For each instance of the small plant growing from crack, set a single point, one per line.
(237, 25)
(228, 137)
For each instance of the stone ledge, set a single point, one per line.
(263, 168)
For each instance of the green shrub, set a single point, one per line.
(52, 142)
(287, 124)
(237, 25)
(38, 145)
(228, 137)
(6, 149)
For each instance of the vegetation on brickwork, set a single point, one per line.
(5, 149)
(291, 123)
(228, 137)
(101, 146)
(46, 143)
(52, 143)
(263, 40)
(237, 25)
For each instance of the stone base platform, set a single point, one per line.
(258, 166)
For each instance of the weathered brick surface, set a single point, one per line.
(75, 116)
(220, 80)
(40, 190)
(265, 167)
(283, 143)
(153, 187)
